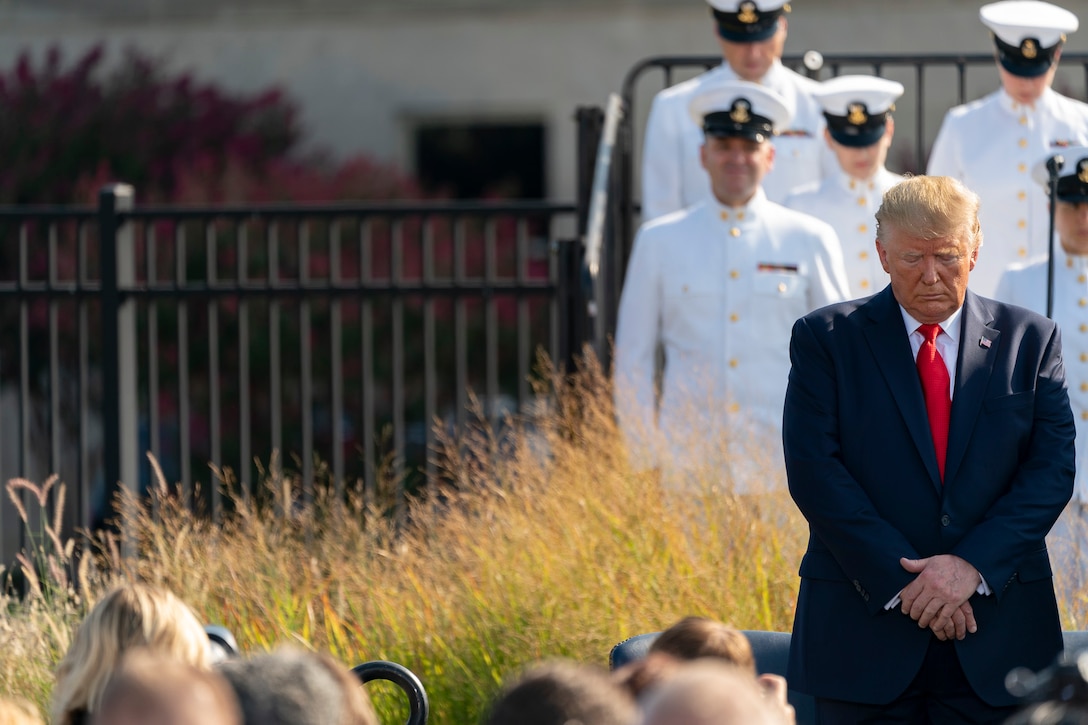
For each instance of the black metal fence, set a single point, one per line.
(338, 335)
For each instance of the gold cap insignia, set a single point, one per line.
(747, 13)
(740, 114)
(1083, 171)
(856, 114)
(1029, 49)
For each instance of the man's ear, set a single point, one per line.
(702, 154)
(889, 129)
(882, 252)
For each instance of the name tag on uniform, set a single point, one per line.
(1061, 143)
(775, 267)
(795, 132)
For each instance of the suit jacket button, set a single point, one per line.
(946, 520)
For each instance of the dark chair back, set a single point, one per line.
(403, 678)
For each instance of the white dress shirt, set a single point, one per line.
(991, 145)
(718, 288)
(849, 205)
(673, 177)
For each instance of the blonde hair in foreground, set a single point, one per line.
(128, 617)
(18, 712)
(930, 207)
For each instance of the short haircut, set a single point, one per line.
(150, 686)
(709, 692)
(558, 692)
(694, 637)
(128, 617)
(930, 207)
(289, 686)
(646, 673)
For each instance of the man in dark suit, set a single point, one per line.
(929, 444)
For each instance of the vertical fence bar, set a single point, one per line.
(82, 500)
(336, 344)
(184, 442)
(491, 316)
(430, 374)
(154, 421)
(460, 321)
(33, 524)
(245, 436)
(118, 340)
(521, 259)
(396, 280)
(56, 416)
(306, 366)
(366, 331)
(215, 422)
(275, 373)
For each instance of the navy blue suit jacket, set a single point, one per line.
(862, 469)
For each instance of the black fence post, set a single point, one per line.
(120, 434)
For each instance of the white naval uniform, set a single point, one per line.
(991, 145)
(673, 177)
(1025, 285)
(719, 289)
(849, 205)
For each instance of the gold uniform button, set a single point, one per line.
(734, 407)
(1069, 263)
(1021, 167)
(1083, 327)
(863, 228)
(1084, 415)
(862, 201)
(1022, 251)
(734, 232)
(1022, 224)
(733, 363)
(725, 216)
(734, 317)
(863, 255)
(1021, 195)
(782, 287)
(1082, 302)
(1023, 120)
(853, 184)
(734, 274)
(740, 216)
(1084, 357)
(864, 284)
(1082, 279)
(1084, 387)
(1023, 143)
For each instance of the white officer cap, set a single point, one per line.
(747, 21)
(1072, 176)
(739, 108)
(1027, 33)
(856, 107)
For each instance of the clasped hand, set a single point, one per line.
(937, 598)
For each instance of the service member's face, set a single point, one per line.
(929, 276)
(736, 167)
(863, 162)
(1071, 221)
(751, 61)
(1028, 90)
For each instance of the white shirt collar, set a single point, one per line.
(949, 326)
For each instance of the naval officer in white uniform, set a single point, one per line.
(718, 286)
(859, 132)
(751, 34)
(990, 144)
(1026, 285)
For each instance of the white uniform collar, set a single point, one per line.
(1015, 107)
(859, 186)
(772, 78)
(1075, 262)
(749, 211)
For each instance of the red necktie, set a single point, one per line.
(935, 387)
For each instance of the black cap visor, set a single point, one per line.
(762, 27)
(1013, 60)
(722, 125)
(856, 135)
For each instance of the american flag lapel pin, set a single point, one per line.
(983, 342)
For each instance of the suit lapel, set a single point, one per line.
(978, 351)
(888, 342)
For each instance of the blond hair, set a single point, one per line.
(695, 637)
(18, 712)
(930, 207)
(129, 617)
